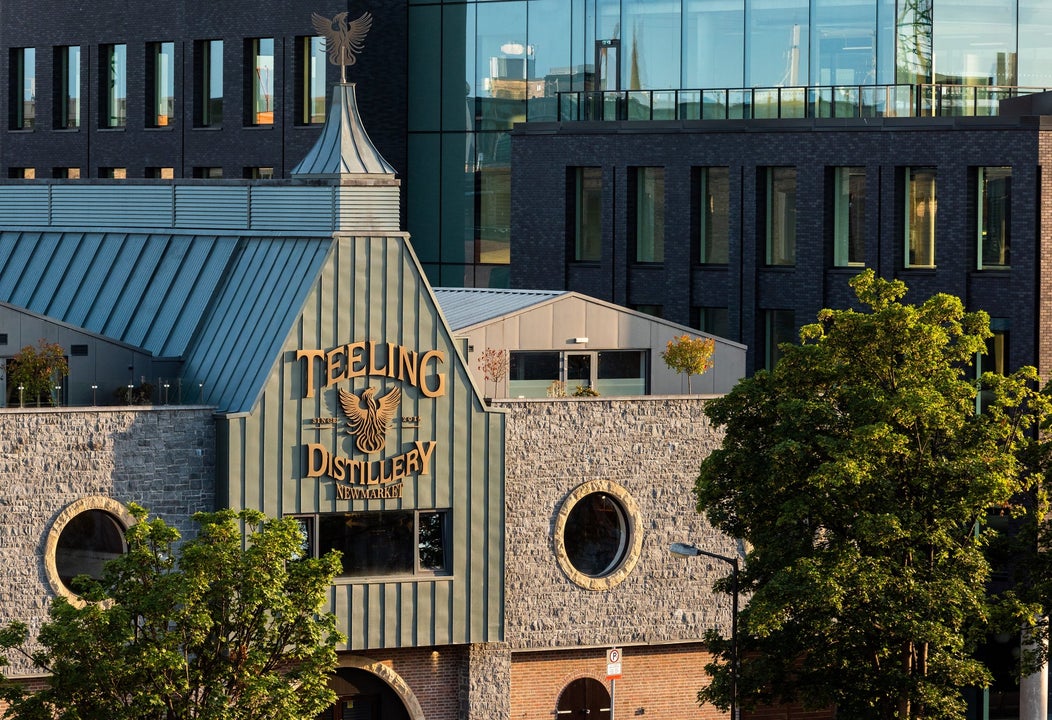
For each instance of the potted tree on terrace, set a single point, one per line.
(35, 371)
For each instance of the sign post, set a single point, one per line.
(613, 674)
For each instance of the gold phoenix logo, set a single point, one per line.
(369, 423)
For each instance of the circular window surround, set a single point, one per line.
(633, 530)
(105, 504)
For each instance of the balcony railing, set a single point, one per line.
(834, 101)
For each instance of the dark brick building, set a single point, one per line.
(778, 183)
(68, 126)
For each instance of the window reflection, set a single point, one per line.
(713, 44)
(974, 44)
(776, 43)
(1035, 51)
(845, 42)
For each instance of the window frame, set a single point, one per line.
(312, 67)
(649, 214)
(713, 226)
(587, 213)
(983, 213)
(22, 99)
(913, 223)
(208, 77)
(261, 101)
(311, 522)
(780, 217)
(113, 86)
(160, 77)
(848, 250)
(66, 81)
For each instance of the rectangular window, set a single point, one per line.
(208, 83)
(621, 372)
(312, 63)
(587, 213)
(781, 216)
(23, 88)
(66, 173)
(779, 327)
(713, 198)
(712, 320)
(994, 360)
(22, 173)
(849, 216)
(113, 90)
(113, 173)
(920, 217)
(994, 221)
(160, 84)
(385, 543)
(260, 85)
(160, 173)
(67, 87)
(208, 172)
(533, 374)
(258, 173)
(650, 214)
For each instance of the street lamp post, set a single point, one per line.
(687, 550)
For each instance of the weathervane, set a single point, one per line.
(342, 40)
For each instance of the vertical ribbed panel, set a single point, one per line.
(371, 288)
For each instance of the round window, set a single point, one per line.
(85, 536)
(596, 535)
(596, 538)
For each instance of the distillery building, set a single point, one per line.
(221, 335)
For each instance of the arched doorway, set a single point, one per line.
(362, 695)
(584, 697)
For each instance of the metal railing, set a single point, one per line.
(831, 101)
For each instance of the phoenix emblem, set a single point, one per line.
(343, 40)
(369, 423)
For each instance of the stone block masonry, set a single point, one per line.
(161, 458)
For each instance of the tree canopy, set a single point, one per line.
(692, 356)
(220, 627)
(860, 473)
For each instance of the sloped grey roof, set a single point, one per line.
(464, 307)
(344, 147)
(223, 304)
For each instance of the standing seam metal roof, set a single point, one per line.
(223, 304)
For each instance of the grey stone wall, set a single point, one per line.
(485, 683)
(650, 447)
(160, 458)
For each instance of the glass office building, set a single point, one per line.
(476, 68)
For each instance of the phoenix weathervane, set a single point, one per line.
(343, 40)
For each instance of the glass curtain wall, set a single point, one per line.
(478, 67)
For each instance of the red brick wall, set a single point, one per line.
(659, 682)
(434, 678)
(653, 681)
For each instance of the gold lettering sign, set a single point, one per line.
(374, 359)
(370, 417)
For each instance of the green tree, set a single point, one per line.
(692, 356)
(216, 628)
(860, 474)
(37, 370)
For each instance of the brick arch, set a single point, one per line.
(389, 676)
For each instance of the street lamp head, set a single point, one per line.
(684, 550)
